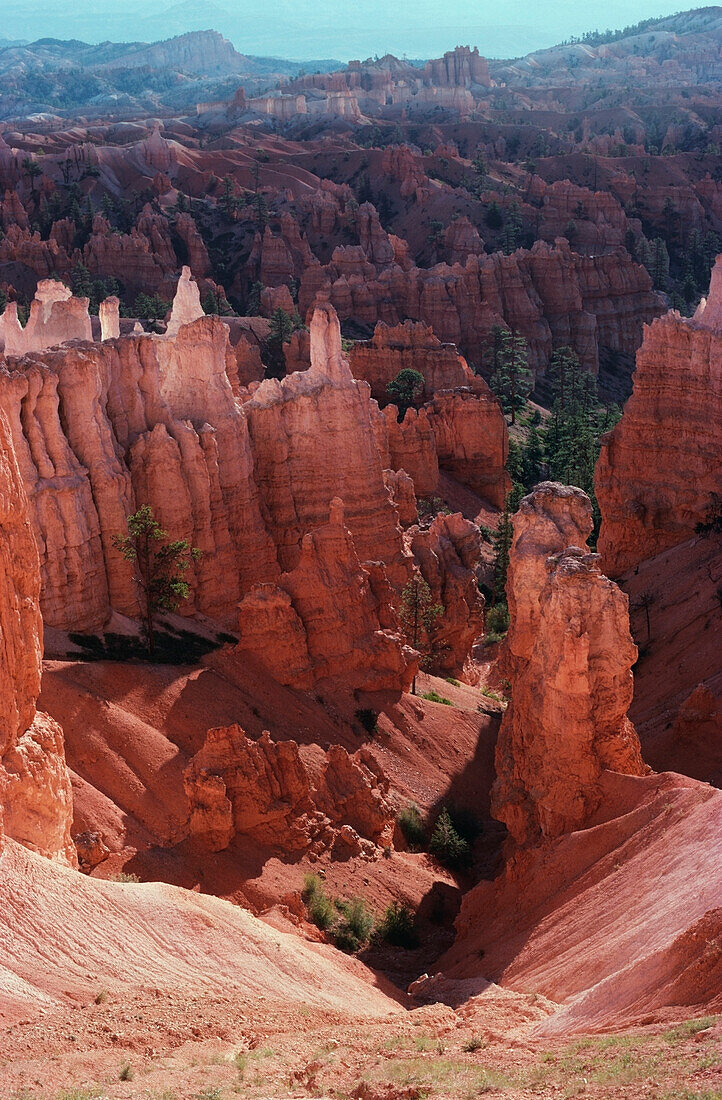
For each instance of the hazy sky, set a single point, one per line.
(332, 28)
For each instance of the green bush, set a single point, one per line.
(434, 697)
(412, 826)
(497, 620)
(397, 926)
(320, 908)
(355, 929)
(447, 845)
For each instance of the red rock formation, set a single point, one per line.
(659, 472)
(459, 68)
(109, 317)
(198, 259)
(35, 795)
(186, 304)
(56, 317)
(409, 345)
(262, 791)
(447, 554)
(320, 623)
(572, 655)
(471, 440)
(410, 446)
(101, 428)
(313, 438)
(461, 240)
(549, 294)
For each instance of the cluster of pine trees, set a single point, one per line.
(564, 446)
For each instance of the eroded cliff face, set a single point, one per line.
(314, 439)
(102, 428)
(571, 660)
(249, 476)
(264, 792)
(35, 795)
(660, 470)
(549, 294)
(323, 622)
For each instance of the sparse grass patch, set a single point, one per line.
(412, 826)
(126, 1073)
(355, 929)
(688, 1028)
(123, 876)
(452, 681)
(473, 1044)
(434, 697)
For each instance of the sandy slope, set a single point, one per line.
(64, 936)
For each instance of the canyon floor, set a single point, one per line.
(168, 1046)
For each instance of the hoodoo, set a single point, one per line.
(572, 656)
(360, 602)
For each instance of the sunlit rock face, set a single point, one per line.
(571, 660)
(659, 473)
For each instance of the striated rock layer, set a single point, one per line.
(572, 656)
(323, 621)
(660, 470)
(35, 795)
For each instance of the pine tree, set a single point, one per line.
(159, 567)
(419, 615)
(405, 389)
(512, 381)
(281, 327)
(501, 541)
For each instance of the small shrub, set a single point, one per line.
(397, 926)
(434, 697)
(497, 620)
(447, 845)
(487, 533)
(475, 1043)
(412, 826)
(320, 908)
(123, 876)
(240, 1061)
(355, 929)
(101, 998)
(368, 719)
(126, 1073)
(430, 507)
(452, 681)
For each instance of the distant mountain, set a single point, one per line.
(677, 49)
(52, 75)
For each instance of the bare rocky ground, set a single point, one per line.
(169, 1047)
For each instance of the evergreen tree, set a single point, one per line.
(512, 381)
(532, 456)
(563, 373)
(281, 328)
(405, 389)
(159, 567)
(501, 541)
(419, 614)
(659, 268)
